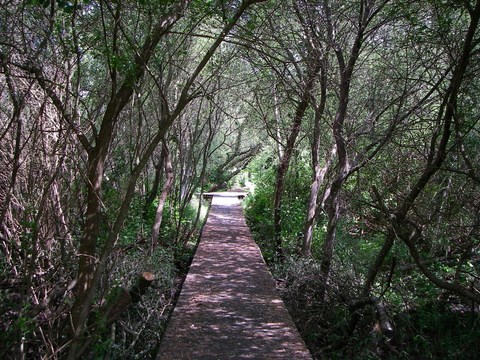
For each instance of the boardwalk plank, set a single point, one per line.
(229, 307)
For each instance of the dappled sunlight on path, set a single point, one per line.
(229, 307)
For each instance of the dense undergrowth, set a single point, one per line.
(426, 322)
(136, 334)
(434, 328)
(136, 331)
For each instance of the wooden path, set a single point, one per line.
(229, 307)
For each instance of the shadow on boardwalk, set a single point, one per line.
(229, 307)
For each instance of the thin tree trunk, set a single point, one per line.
(313, 204)
(278, 121)
(163, 196)
(333, 214)
(332, 198)
(318, 171)
(18, 104)
(152, 194)
(207, 153)
(62, 227)
(282, 168)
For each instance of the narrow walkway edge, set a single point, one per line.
(229, 307)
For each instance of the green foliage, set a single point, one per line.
(160, 263)
(174, 219)
(296, 191)
(426, 325)
(66, 6)
(203, 6)
(259, 206)
(138, 224)
(16, 325)
(436, 330)
(259, 212)
(135, 227)
(218, 177)
(355, 251)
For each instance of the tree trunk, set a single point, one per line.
(152, 194)
(399, 225)
(167, 187)
(318, 171)
(282, 168)
(278, 121)
(332, 196)
(89, 274)
(313, 204)
(384, 251)
(18, 104)
(332, 207)
(88, 261)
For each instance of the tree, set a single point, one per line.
(97, 119)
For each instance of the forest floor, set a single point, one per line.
(229, 306)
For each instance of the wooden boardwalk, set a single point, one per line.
(229, 307)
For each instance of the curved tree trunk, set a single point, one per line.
(88, 262)
(90, 268)
(399, 227)
(346, 67)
